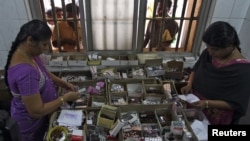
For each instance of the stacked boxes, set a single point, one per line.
(141, 122)
(141, 105)
(147, 91)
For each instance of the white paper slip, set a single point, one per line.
(190, 98)
(200, 130)
(77, 132)
(70, 117)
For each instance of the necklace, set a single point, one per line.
(29, 60)
(225, 61)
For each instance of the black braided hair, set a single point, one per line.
(37, 29)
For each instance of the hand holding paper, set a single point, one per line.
(190, 98)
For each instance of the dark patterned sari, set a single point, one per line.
(228, 83)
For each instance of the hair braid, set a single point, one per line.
(37, 29)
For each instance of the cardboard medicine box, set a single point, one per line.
(77, 60)
(110, 61)
(59, 61)
(107, 116)
(142, 57)
(154, 67)
(174, 69)
(130, 60)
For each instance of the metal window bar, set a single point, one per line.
(44, 19)
(141, 26)
(88, 43)
(89, 35)
(162, 24)
(43, 10)
(153, 24)
(64, 9)
(105, 26)
(53, 12)
(181, 19)
(76, 24)
(173, 16)
(55, 20)
(190, 24)
(82, 22)
(181, 24)
(174, 7)
(55, 23)
(135, 26)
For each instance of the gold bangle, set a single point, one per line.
(206, 104)
(62, 100)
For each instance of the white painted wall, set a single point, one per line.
(237, 13)
(13, 13)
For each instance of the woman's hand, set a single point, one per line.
(70, 86)
(71, 96)
(186, 89)
(200, 104)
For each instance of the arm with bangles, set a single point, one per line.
(204, 103)
(37, 109)
(59, 82)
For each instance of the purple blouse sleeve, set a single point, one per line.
(27, 80)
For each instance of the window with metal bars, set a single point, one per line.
(122, 26)
(171, 25)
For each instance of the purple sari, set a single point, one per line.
(25, 80)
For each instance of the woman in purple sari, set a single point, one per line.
(220, 77)
(33, 87)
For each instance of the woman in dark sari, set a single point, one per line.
(220, 76)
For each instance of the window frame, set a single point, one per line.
(206, 10)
